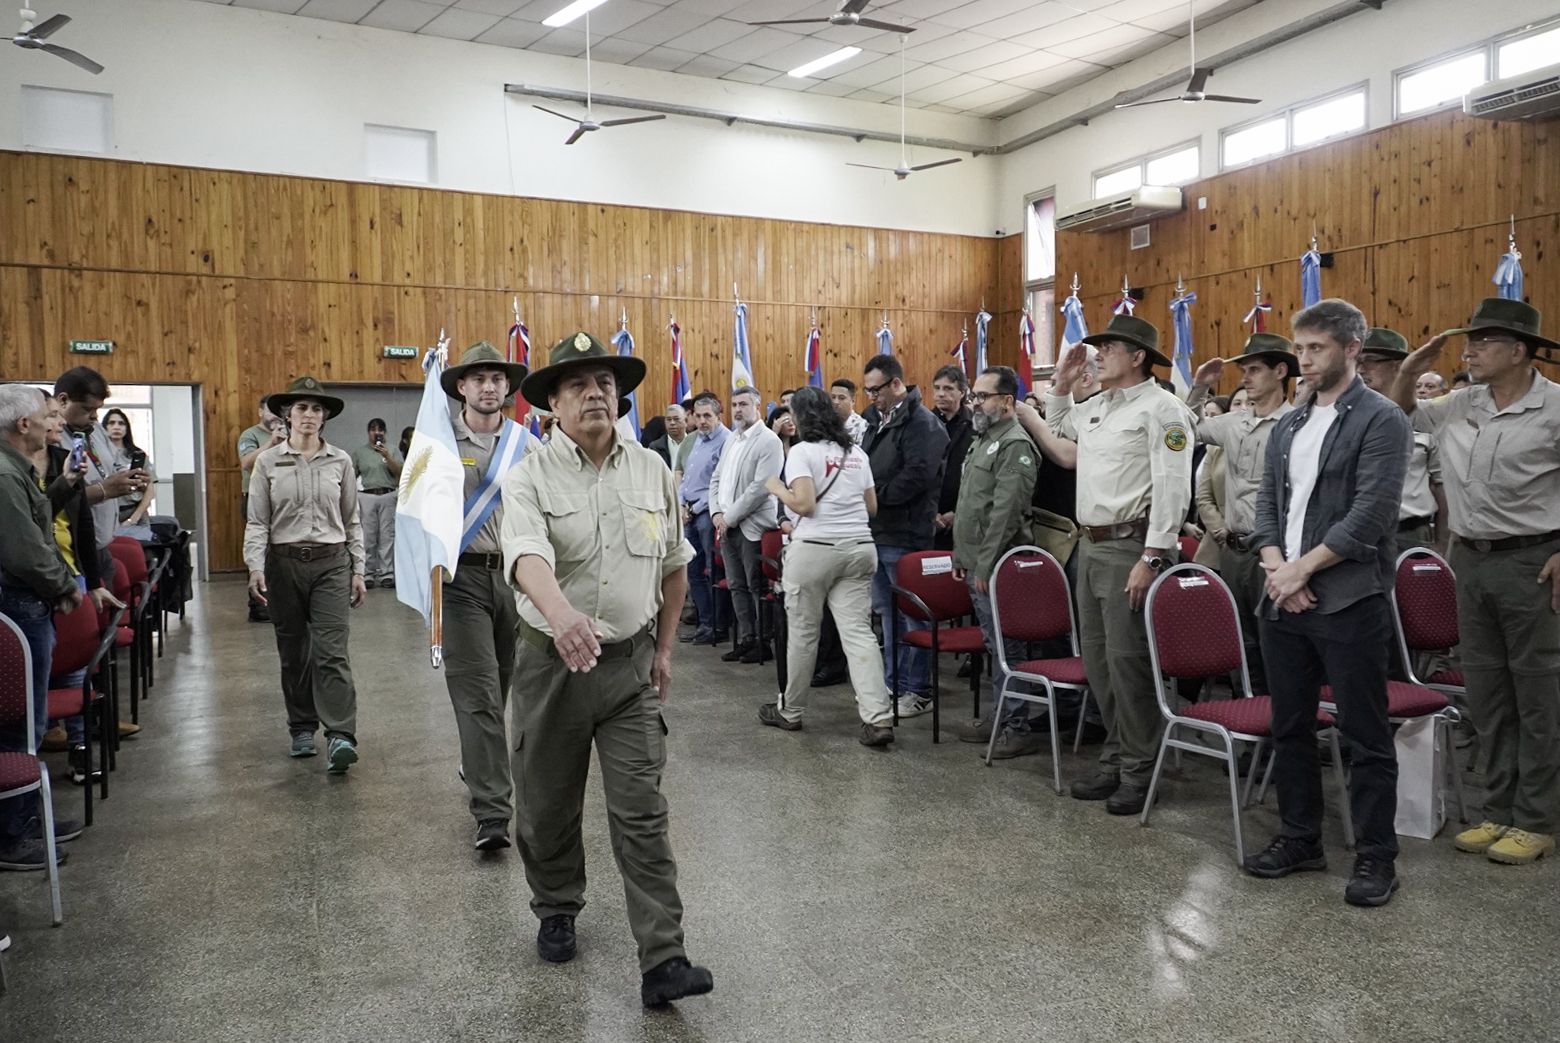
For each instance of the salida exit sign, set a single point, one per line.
(91, 347)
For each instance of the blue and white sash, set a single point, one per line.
(485, 498)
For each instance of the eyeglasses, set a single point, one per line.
(979, 397)
(877, 390)
(1480, 343)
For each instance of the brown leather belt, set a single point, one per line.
(1509, 542)
(1133, 530)
(309, 551)
(544, 643)
(1238, 541)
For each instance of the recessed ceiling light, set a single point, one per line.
(570, 13)
(819, 64)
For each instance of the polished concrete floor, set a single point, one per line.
(230, 893)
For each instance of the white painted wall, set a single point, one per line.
(215, 86)
(1365, 47)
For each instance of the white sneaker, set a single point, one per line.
(914, 705)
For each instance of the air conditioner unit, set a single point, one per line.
(1532, 96)
(1100, 215)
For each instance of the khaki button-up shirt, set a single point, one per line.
(610, 536)
(1504, 465)
(1424, 468)
(1244, 439)
(1134, 457)
(476, 455)
(293, 499)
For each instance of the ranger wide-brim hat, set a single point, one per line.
(570, 354)
(481, 355)
(624, 405)
(1269, 348)
(303, 387)
(1385, 343)
(1519, 317)
(1135, 331)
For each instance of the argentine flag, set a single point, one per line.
(742, 360)
(431, 499)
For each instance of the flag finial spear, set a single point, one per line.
(1076, 286)
(515, 304)
(623, 322)
(444, 347)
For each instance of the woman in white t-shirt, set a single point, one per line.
(827, 489)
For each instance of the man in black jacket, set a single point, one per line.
(949, 388)
(906, 444)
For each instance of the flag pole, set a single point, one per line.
(436, 585)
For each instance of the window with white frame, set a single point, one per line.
(1173, 167)
(1525, 53)
(1441, 83)
(1040, 270)
(1342, 114)
(1115, 182)
(1255, 141)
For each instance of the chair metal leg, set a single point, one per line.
(46, 794)
(1083, 711)
(1153, 780)
(105, 757)
(893, 652)
(1251, 771)
(1229, 749)
(996, 721)
(1056, 742)
(1452, 767)
(936, 687)
(1343, 788)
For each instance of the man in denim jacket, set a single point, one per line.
(1326, 524)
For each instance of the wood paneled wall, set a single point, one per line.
(1414, 214)
(240, 282)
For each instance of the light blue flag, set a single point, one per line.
(885, 339)
(1181, 312)
(624, 342)
(431, 498)
(982, 320)
(1508, 275)
(741, 361)
(1310, 278)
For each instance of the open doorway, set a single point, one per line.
(166, 423)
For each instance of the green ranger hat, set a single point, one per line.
(1269, 348)
(1518, 317)
(1135, 331)
(1387, 345)
(481, 355)
(303, 387)
(575, 351)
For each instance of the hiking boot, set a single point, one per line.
(1013, 743)
(735, 655)
(54, 740)
(65, 829)
(770, 714)
(1098, 786)
(830, 677)
(876, 735)
(673, 980)
(555, 938)
(128, 730)
(1286, 855)
(492, 835)
(1478, 839)
(26, 855)
(976, 730)
(1519, 847)
(1129, 799)
(754, 654)
(1374, 882)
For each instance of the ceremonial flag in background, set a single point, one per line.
(1125, 306)
(742, 360)
(982, 334)
(813, 354)
(960, 351)
(431, 498)
(1257, 316)
(1508, 274)
(680, 387)
(1026, 348)
(624, 342)
(885, 340)
(1310, 278)
(519, 351)
(1181, 314)
(1074, 327)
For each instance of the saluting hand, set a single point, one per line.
(359, 590)
(1070, 368)
(1424, 357)
(1551, 575)
(1208, 373)
(577, 639)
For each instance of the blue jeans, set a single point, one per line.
(36, 622)
(915, 664)
(701, 573)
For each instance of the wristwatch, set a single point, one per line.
(1155, 562)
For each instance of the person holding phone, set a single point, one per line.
(127, 456)
(81, 392)
(378, 468)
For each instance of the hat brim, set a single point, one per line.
(1155, 356)
(624, 407)
(1270, 355)
(630, 373)
(1387, 354)
(450, 379)
(282, 401)
(1531, 338)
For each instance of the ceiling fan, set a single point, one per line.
(848, 14)
(904, 169)
(32, 38)
(590, 123)
(1194, 88)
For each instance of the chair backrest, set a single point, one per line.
(16, 666)
(1030, 598)
(1193, 628)
(76, 636)
(928, 574)
(1189, 545)
(769, 551)
(131, 553)
(120, 583)
(1424, 599)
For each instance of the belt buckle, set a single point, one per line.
(305, 553)
(1483, 545)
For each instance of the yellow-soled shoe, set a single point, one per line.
(1519, 847)
(1478, 839)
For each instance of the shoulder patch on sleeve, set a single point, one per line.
(1175, 437)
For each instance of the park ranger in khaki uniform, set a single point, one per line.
(1134, 489)
(1500, 443)
(989, 520)
(1423, 511)
(480, 617)
(1267, 364)
(591, 539)
(304, 549)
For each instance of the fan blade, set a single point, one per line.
(1226, 97)
(871, 166)
(550, 112)
(579, 132)
(1199, 81)
(631, 119)
(71, 56)
(854, 6)
(795, 21)
(49, 26)
(939, 163)
(873, 23)
(1155, 101)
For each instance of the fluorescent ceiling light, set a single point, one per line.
(819, 64)
(570, 13)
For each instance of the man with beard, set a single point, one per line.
(1326, 515)
(949, 389)
(999, 480)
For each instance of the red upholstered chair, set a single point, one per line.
(25, 772)
(1194, 632)
(771, 606)
(129, 554)
(1189, 545)
(124, 637)
(1031, 600)
(81, 644)
(925, 590)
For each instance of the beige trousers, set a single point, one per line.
(837, 576)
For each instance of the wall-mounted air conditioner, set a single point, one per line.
(1532, 96)
(1133, 208)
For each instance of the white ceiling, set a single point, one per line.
(986, 58)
